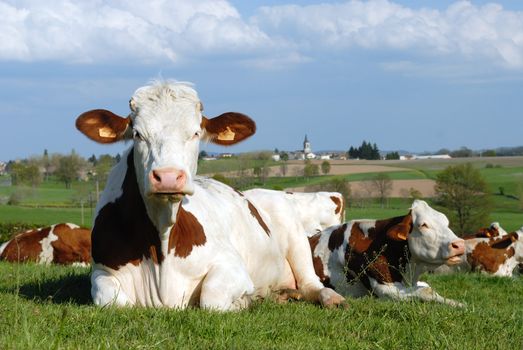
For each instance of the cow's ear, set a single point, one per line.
(103, 126)
(228, 128)
(505, 241)
(400, 232)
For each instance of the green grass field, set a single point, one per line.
(49, 307)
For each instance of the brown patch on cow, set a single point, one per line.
(486, 232)
(358, 242)
(102, 126)
(375, 255)
(337, 237)
(186, 233)
(486, 257)
(72, 245)
(25, 246)
(339, 204)
(239, 193)
(317, 262)
(400, 232)
(258, 217)
(123, 232)
(503, 242)
(229, 128)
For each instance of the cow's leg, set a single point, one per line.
(424, 292)
(226, 288)
(106, 289)
(299, 257)
(398, 291)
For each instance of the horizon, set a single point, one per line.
(407, 75)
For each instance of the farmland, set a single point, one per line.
(50, 307)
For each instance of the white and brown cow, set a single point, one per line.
(386, 257)
(58, 244)
(164, 237)
(494, 230)
(313, 211)
(497, 256)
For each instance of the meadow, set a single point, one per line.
(50, 306)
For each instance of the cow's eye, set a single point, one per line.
(137, 136)
(424, 225)
(197, 134)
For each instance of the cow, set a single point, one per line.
(315, 211)
(163, 236)
(63, 243)
(497, 256)
(386, 257)
(494, 230)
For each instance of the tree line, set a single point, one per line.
(65, 168)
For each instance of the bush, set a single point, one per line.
(8, 229)
(15, 198)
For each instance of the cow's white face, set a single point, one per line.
(166, 126)
(431, 241)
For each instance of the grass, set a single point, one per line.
(49, 307)
(46, 216)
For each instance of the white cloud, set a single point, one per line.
(174, 30)
(463, 31)
(101, 31)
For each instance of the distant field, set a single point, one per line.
(51, 202)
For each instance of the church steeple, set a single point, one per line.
(306, 145)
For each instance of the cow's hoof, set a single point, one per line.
(330, 299)
(284, 295)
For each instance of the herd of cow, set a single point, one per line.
(163, 236)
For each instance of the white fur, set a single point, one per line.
(315, 210)
(46, 255)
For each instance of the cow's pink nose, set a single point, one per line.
(168, 180)
(457, 247)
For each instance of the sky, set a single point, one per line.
(406, 75)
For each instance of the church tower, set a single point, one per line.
(306, 146)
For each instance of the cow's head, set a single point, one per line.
(429, 237)
(165, 125)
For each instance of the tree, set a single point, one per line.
(365, 151)
(463, 152)
(103, 167)
(68, 169)
(310, 169)
(382, 184)
(463, 193)
(325, 167)
(337, 184)
(392, 156)
(25, 173)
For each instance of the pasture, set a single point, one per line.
(50, 306)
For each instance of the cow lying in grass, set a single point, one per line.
(386, 257)
(494, 230)
(497, 256)
(312, 212)
(164, 237)
(58, 244)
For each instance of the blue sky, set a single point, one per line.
(408, 75)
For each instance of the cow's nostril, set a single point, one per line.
(156, 176)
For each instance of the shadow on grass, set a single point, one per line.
(74, 288)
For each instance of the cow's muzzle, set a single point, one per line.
(456, 251)
(169, 182)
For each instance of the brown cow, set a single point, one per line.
(60, 244)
